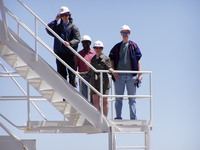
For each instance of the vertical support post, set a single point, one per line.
(112, 109)
(3, 14)
(112, 102)
(112, 139)
(147, 140)
(28, 103)
(36, 45)
(150, 80)
(89, 93)
(101, 91)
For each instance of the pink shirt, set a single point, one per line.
(82, 67)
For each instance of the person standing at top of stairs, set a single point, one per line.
(87, 53)
(126, 55)
(100, 62)
(69, 32)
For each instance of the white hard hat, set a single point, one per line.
(125, 27)
(98, 44)
(64, 9)
(86, 38)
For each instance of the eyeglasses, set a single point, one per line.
(98, 47)
(62, 15)
(125, 32)
(86, 41)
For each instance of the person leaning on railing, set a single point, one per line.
(100, 62)
(69, 32)
(125, 56)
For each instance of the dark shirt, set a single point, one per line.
(69, 32)
(100, 63)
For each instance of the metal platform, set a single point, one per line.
(79, 115)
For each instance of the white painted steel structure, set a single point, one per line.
(79, 115)
(13, 142)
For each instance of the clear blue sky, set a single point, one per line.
(168, 34)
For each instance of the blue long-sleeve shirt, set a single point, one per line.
(69, 33)
(134, 53)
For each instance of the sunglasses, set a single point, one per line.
(86, 41)
(64, 15)
(125, 32)
(98, 47)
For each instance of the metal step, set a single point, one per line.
(23, 71)
(11, 59)
(131, 125)
(4, 50)
(59, 127)
(35, 82)
(69, 112)
(19, 63)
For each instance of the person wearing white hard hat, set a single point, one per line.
(87, 53)
(100, 62)
(69, 32)
(125, 56)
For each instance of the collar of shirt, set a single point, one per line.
(65, 24)
(89, 52)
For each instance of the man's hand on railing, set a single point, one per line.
(116, 75)
(66, 43)
(110, 70)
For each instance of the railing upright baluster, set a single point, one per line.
(36, 42)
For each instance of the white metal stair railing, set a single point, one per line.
(16, 139)
(72, 50)
(75, 118)
(27, 66)
(32, 77)
(130, 127)
(38, 83)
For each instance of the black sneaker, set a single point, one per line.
(119, 118)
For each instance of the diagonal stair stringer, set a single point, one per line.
(50, 84)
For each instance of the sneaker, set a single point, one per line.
(119, 118)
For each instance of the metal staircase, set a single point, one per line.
(79, 115)
(47, 82)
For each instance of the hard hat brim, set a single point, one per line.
(64, 12)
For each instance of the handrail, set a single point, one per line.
(57, 36)
(23, 91)
(13, 136)
(78, 55)
(51, 51)
(19, 127)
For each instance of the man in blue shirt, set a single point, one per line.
(125, 55)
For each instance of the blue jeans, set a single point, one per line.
(84, 88)
(128, 81)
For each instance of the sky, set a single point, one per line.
(167, 33)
